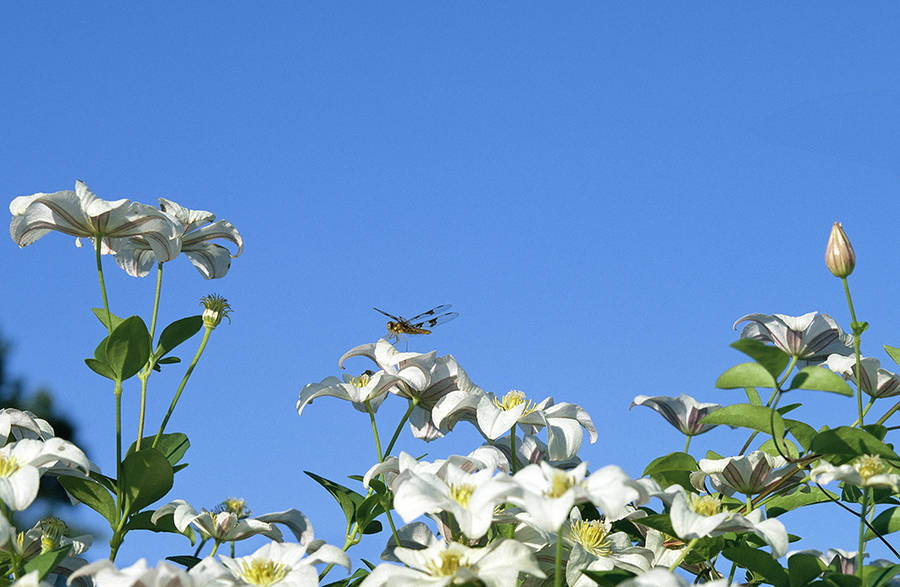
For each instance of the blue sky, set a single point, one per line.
(600, 190)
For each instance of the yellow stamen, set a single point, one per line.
(513, 399)
(51, 530)
(263, 572)
(593, 535)
(706, 505)
(361, 381)
(8, 466)
(234, 505)
(560, 483)
(868, 466)
(461, 494)
(446, 564)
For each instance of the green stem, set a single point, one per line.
(687, 549)
(412, 404)
(888, 414)
(215, 548)
(772, 398)
(374, 430)
(862, 532)
(144, 377)
(103, 286)
(856, 337)
(200, 547)
(116, 539)
(557, 577)
(184, 380)
(865, 411)
(159, 268)
(687, 444)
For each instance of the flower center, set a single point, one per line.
(361, 381)
(706, 505)
(263, 572)
(234, 505)
(868, 466)
(559, 484)
(513, 399)
(593, 535)
(446, 564)
(461, 494)
(8, 466)
(51, 531)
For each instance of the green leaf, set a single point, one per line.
(128, 347)
(849, 443)
(885, 523)
(91, 494)
(166, 524)
(893, 352)
(803, 568)
(47, 561)
(753, 396)
(783, 447)
(758, 418)
(745, 375)
(659, 522)
(788, 408)
(148, 477)
(803, 432)
(184, 559)
(101, 368)
(608, 578)
(876, 430)
(878, 577)
(176, 333)
(759, 562)
(676, 461)
(168, 361)
(100, 313)
(172, 446)
(672, 469)
(820, 379)
(773, 359)
(799, 498)
(348, 499)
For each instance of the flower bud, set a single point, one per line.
(215, 307)
(839, 256)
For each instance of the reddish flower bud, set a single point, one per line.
(839, 256)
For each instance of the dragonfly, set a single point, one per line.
(419, 324)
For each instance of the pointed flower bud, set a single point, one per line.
(215, 307)
(839, 256)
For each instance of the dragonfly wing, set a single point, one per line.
(395, 318)
(424, 316)
(432, 322)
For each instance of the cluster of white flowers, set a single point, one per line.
(138, 235)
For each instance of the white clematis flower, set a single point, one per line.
(284, 564)
(747, 474)
(82, 214)
(367, 387)
(866, 471)
(695, 516)
(136, 255)
(812, 336)
(682, 412)
(469, 497)
(564, 421)
(20, 424)
(483, 457)
(497, 565)
(547, 494)
(425, 378)
(22, 463)
(875, 381)
(206, 573)
(595, 547)
(225, 525)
